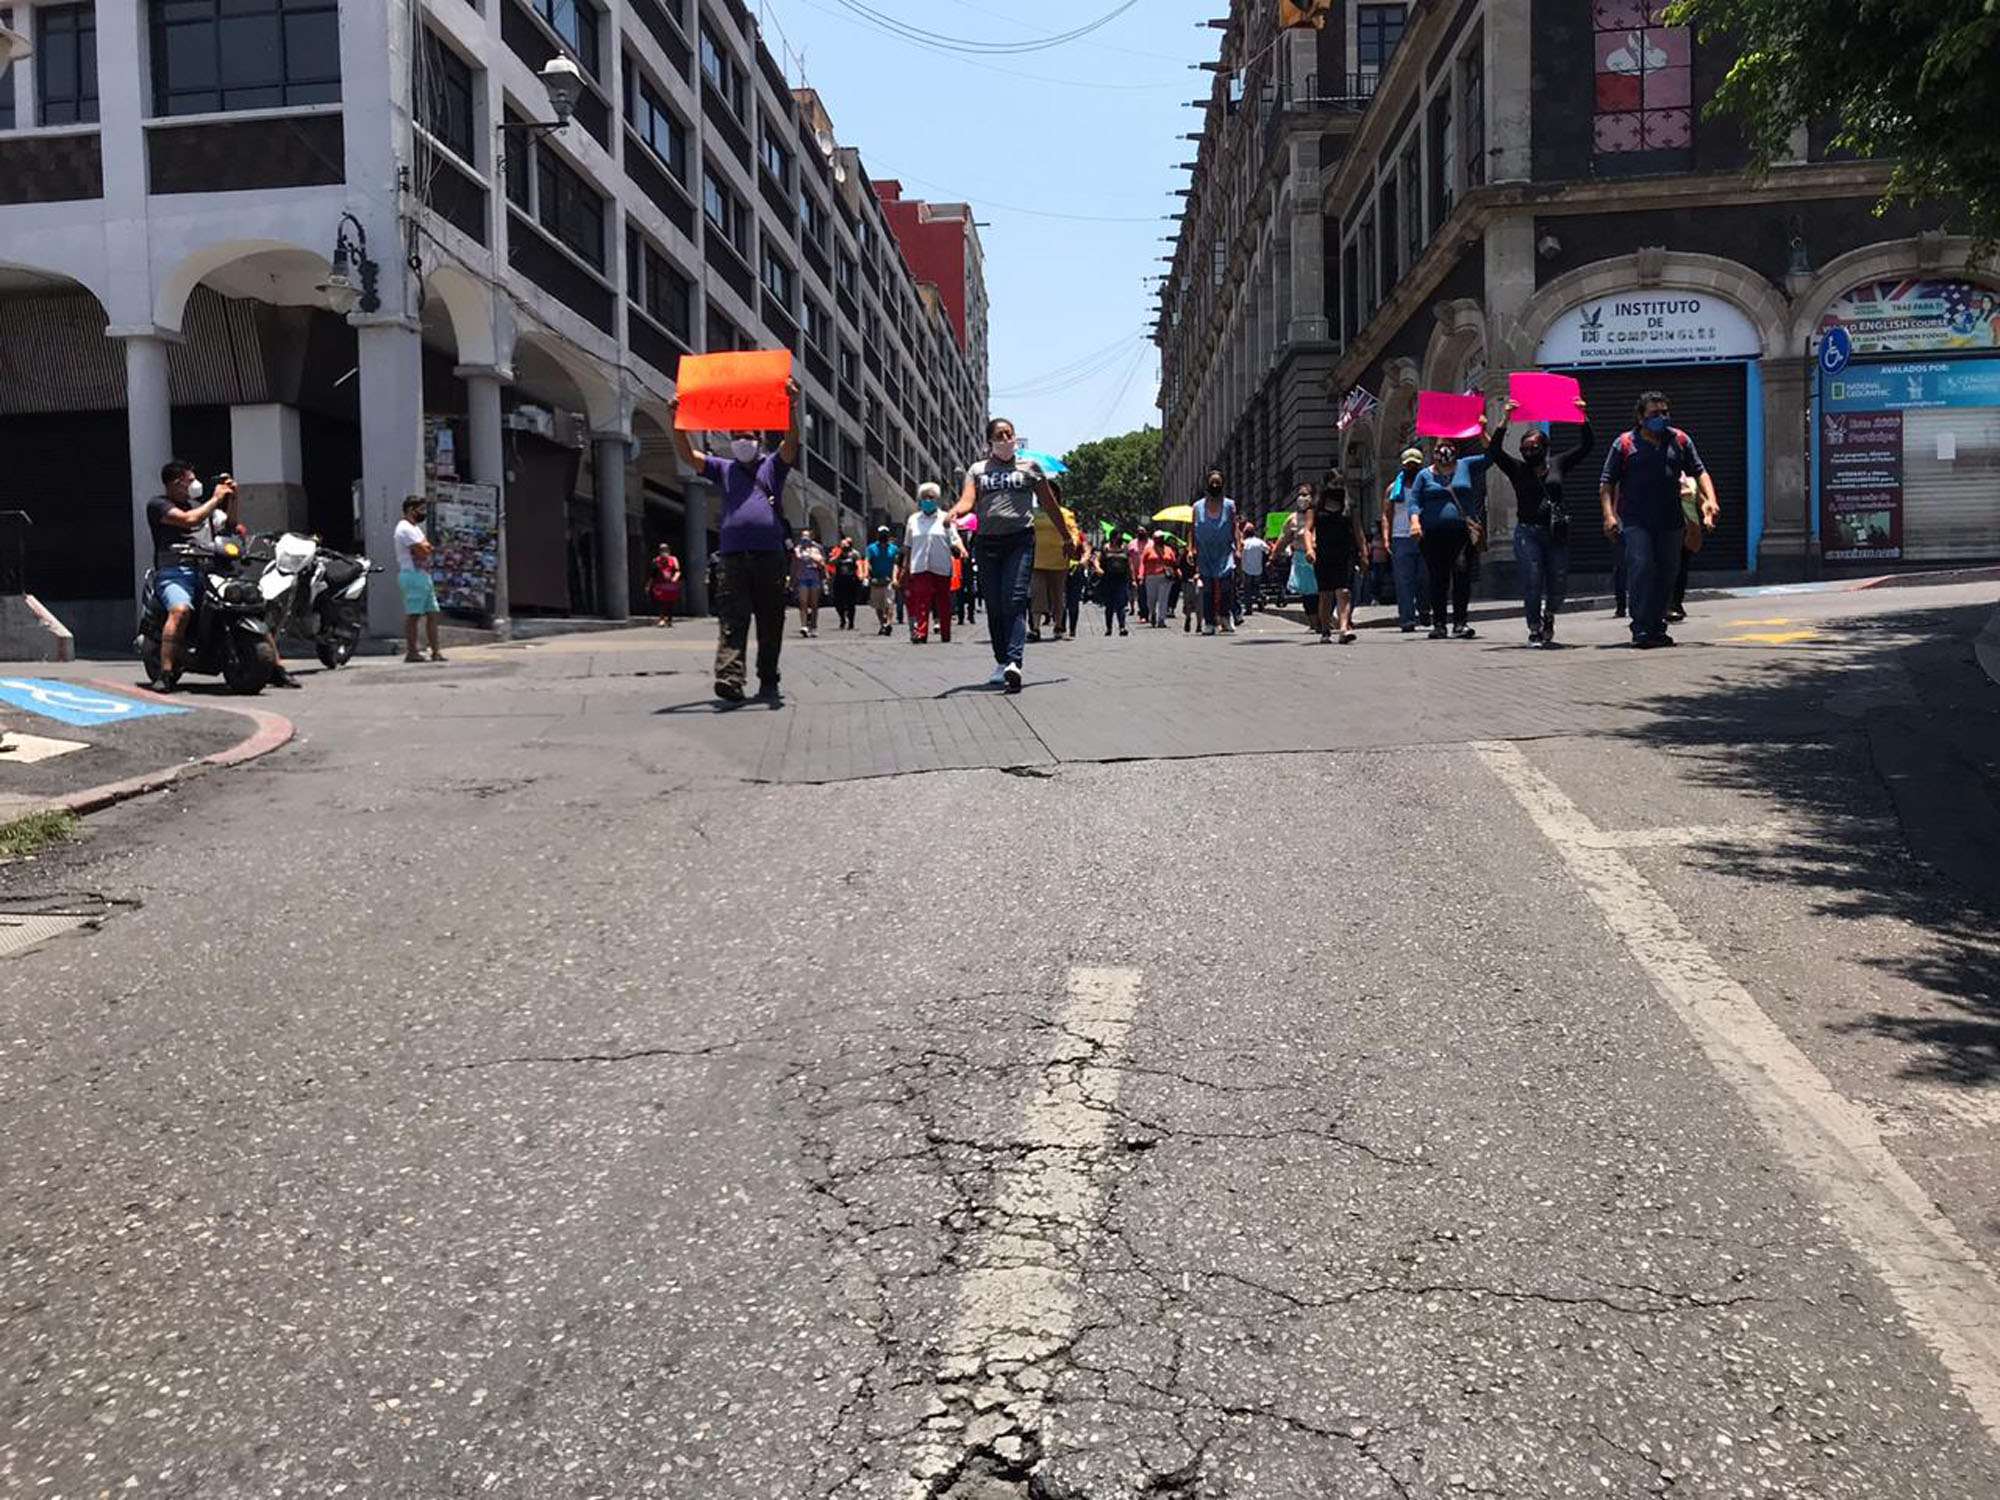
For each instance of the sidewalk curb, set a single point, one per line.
(1987, 647)
(271, 731)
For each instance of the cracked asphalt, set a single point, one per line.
(533, 1083)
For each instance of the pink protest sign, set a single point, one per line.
(1544, 398)
(1440, 414)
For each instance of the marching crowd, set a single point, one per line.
(1009, 546)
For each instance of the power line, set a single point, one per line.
(976, 46)
(1095, 85)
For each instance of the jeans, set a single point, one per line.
(752, 587)
(1249, 594)
(1218, 600)
(929, 594)
(1618, 579)
(1544, 573)
(1159, 591)
(1448, 558)
(1406, 558)
(1114, 594)
(1073, 597)
(1006, 564)
(1681, 580)
(1652, 561)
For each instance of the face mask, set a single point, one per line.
(1215, 486)
(929, 506)
(1657, 423)
(195, 491)
(745, 449)
(1003, 449)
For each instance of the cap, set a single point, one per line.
(881, 531)
(1413, 455)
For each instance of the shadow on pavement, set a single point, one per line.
(1894, 753)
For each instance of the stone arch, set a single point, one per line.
(605, 406)
(1460, 333)
(468, 303)
(1649, 268)
(288, 273)
(1941, 255)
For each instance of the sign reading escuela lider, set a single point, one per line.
(727, 392)
(1649, 327)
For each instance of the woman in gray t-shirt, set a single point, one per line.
(1002, 490)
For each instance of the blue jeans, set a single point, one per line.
(1407, 559)
(1006, 566)
(1652, 562)
(1544, 572)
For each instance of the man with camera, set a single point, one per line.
(182, 516)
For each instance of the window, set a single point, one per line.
(1444, 158)
(575, 21)
(819, 327)
(6, 81)
(850, 460)
(66, 64)
(1410, 179)
(444, 96)
(723, 335)
(779, 278)
(723, 210)
(777, 160)
(654, 123)
(519, 191)
(843, 273)
(864, 237)
(850, 366)
(1370, 268)
(1644, 83)
(568, 207)
(1392, 242)
(1378, 28)
(215, 55)
(657, 289)
(812, 218)
(1472, 115)
(719, 70)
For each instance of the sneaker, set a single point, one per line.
(768, 693)
(1409, 629)
(813, 634)
(1058, 636)
(729, 692)
(1011, 676)
(1549, 631)
(283, 679)
(1534, 638)
(999, 677)
(1437, 633)
(437, 656)
(1464, 632)
(1347, 638)
(410, 656)
(1229, 630)
(1123, 631)
(1034, 638)
(1676, 615)
(1662, 639)
(1618, 613)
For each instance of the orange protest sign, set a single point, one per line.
(724, 392)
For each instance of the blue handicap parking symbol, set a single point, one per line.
(76, 702)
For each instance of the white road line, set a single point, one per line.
(1016, 1302)
(1690, 837)
(1943, 1287)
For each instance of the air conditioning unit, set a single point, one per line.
(536, 419)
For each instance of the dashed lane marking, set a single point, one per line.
(1017, 1300)
(1772, 638)
(1944, 1289)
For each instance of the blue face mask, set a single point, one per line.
(1657, 424)
(930, 507)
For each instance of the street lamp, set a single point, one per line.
(351, 283)
(562, 80)
(14, 45)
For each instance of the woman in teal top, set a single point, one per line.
(1449, 520)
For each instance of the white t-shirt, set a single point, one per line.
(408, 534)
(1399, 510)
(1253, 557)
(927, 544)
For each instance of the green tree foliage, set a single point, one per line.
(1916, 82)
(1115, 479)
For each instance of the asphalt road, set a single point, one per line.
(1234, 1068)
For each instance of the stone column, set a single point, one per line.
(149, 433)
(488, 464)
(1782, 554)
(695, 501)
(270, 473)
(1309, 320)
(614, 587)
(1509, 94)
(392, 448)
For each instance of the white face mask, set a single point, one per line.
(1003, 449)
(745, 449)
(195, 491)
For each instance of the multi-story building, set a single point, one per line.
(193, 194)
(1535, 184)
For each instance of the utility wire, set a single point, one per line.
(975, 45)
(1095, 85)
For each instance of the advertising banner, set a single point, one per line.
(1649, 328)
(1915, 385)
(465, 540)
(1917, 317)
(1861, 486)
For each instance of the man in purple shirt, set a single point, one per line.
(750, 583)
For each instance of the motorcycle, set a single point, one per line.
(314, 593)
(227, 634)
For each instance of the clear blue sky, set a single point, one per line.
(1102, 146)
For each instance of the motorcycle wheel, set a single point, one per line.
(334, 653)
(248, 666)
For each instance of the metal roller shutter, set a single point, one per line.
(1951, 507)
(1710, 404)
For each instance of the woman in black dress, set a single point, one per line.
(1335, 548)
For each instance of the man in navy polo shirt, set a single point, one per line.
(1641, 494)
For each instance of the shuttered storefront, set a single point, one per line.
(1951, 484)
(1711, 405)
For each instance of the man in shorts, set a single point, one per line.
(413, 572)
